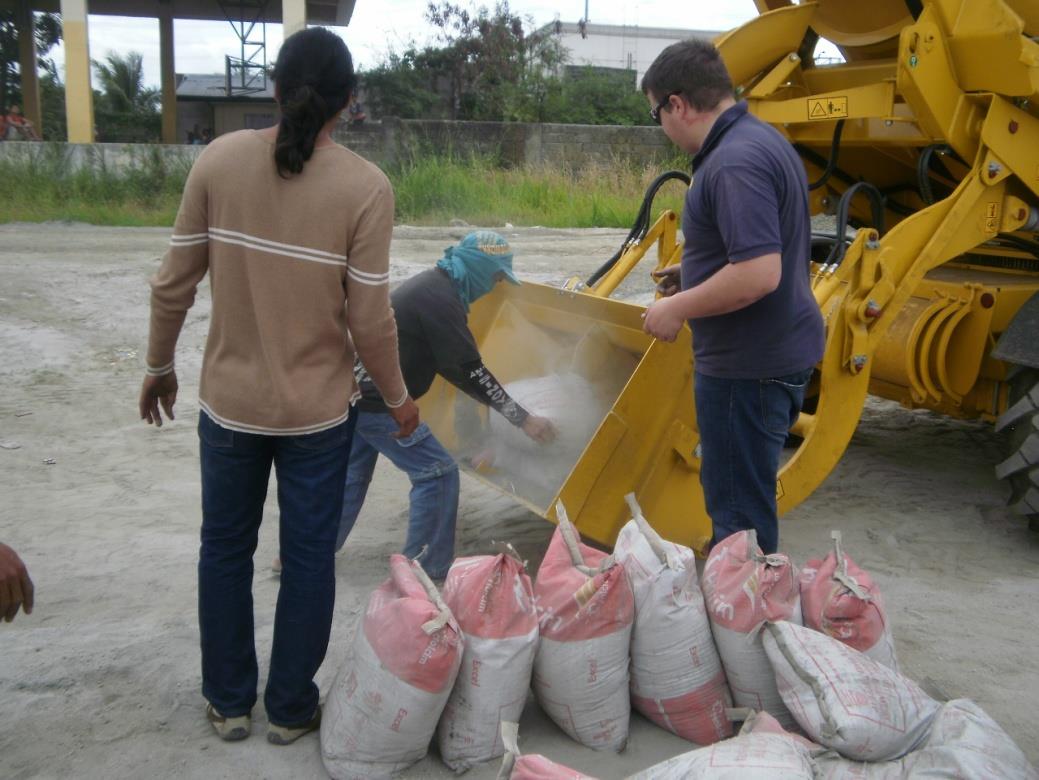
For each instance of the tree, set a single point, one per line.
(125, 109)
(122, 83)
(489, 57)
(52, 98)
(47, 29)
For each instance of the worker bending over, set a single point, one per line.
(433, 338)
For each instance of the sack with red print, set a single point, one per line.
(964, 742)
(763, 750)
(844, 700)
(585, 608)
(384, 705)
(841, 600)
(493, 601)
(530, 767)
(744, 588)
(677, 679)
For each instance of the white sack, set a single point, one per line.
(493, 600)
(964, 743)
(384, 705)
(744, 588)
(762, 751)
(844, 700)
(841, 600)
(677, 679)
(586, 610)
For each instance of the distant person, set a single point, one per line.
(16, 588)
(207, 136)
(191, 138)
(742, 284)
(356, 115)
(434, 339)
(294, 231)
(17, 127)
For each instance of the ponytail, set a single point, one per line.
(315, 78)
(303, 114)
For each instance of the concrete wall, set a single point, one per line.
(393, 140)
(109, 157)
(511, 143)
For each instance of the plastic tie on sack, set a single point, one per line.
(446, 616)
(573, 540)
(830, 730)
(842, 576)
(510, 740)
(506, 549)
(655, 540)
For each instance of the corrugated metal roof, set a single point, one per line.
(213, 86)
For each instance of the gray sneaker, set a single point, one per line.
(286, 735)
(228, 729)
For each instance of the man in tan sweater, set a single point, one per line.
(294, 232)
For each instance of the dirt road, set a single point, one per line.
(103, 679)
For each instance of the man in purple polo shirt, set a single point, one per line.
(744, 287)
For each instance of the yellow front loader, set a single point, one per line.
(923, 145)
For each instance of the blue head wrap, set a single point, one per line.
(473, 263)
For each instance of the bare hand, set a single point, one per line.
(669, 280)
(406, 417)
(660, 320)
(540, 429)
(156, 390)
(483, 460)
(16, 588)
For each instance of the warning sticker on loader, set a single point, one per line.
(827, 108)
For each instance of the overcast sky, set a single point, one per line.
(380, 25)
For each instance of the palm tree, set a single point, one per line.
(122, 84)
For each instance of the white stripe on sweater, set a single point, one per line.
(273, 251)
(277, 244)
(241, 427)
(355, 275)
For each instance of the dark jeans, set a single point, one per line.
(235, 470)
(434, 487)
(743, 424)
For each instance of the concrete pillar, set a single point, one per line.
(293, 16)
(169, 75)
(79, 101)
(31, 105)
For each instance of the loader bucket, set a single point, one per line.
(643, 434)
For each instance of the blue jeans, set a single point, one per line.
(235, 470)
(434, 487)
(743, 424)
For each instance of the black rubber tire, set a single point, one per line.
(1020, 469)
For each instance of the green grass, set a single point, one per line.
(429, 191)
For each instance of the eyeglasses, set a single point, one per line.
(654, 113)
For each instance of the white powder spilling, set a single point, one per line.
(536, 471)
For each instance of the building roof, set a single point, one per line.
(627, 31)
(213, 87)
(334, 12)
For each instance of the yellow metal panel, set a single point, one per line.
(854, 103)
(761, 42)
(926, 79)
(855, 24)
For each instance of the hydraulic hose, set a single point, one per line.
(831, 164)
(642, 221)
(876, 200)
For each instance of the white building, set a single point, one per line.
(619, 47)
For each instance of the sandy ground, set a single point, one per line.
(103, 679)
